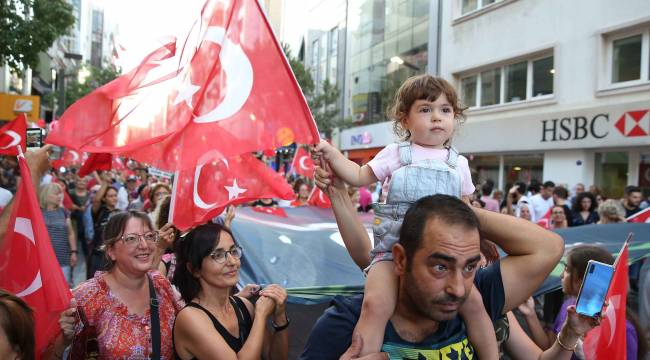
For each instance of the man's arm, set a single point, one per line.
(532, 252)
(354, 234)
(38, 162)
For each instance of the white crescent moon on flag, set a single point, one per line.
(610, 313)
(239, 77)
(15, 139)
(197, 174)
(24, 227)
(302, 162)
(75, 155)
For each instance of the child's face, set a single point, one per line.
(430, 123)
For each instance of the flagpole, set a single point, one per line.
(625, 244)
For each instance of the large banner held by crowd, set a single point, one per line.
(211, 93)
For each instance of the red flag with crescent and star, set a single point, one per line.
(202, 193)
(609, 341)
(28, 267)
(13, 134)
(545, 221)
(96, 161)
(642, 216)
(70, 158)
(318, 198)
(302, 163)
(217, 94)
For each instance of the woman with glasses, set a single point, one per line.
(127, 311)
(215, 324)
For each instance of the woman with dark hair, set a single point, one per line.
(572, 276)
(215, 324)
(584, 209)
(129, 309)
(104, 203)
(17, 340)
(558, 218)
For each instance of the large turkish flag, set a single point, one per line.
(28, 267)
(12, 135)
(202, 193)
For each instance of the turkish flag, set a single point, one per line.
(545, 221)
(70, 158)
(318, 198)
(128, 112)
(303, 163)
(238, 103)
(608, 341)
(640, 217)
(13, 134)
(28, 267)
(203, 192)
(270, 210)
(98, 161)
(218, 93)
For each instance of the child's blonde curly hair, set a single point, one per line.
(422, 87)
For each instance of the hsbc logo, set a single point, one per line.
(634, 123)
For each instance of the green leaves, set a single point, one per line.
(29, 27)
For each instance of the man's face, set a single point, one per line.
(547, 192)
(634, 199)
(441, 272)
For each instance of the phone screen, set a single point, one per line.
(594, 288)
(34, 138)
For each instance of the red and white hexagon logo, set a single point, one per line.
(634, 123)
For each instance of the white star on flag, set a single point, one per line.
(234, 190)
(186, 92)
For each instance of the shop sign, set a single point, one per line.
(11, 105)
(361, 139)
(629, 124)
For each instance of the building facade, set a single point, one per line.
(550, 95)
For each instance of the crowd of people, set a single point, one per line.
(435, 284)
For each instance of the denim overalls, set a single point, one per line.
(409, 183)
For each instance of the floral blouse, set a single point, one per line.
(122, 335)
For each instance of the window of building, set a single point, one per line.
(512, 82)
(333, 55)
(626, 59)
(468, 6)
(314, 60)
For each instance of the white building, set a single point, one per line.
(557, 90)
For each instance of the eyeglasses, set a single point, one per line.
(220, 256)
(150, 237)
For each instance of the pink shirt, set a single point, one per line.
(387, 161)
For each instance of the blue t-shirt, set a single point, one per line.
(332, 333)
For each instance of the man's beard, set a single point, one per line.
(430, 306)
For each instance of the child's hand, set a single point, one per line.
(528, 308)
(580, 324)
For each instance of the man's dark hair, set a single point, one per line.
(560, 192)
(534, 186)
(486, 189)
(449, 209)
(548, 184)
(631, 189)
(521, 187)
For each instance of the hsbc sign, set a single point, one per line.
(618, 125)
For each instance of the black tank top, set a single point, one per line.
(243, 320)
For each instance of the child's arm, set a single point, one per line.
(480, 328)
(538, 335)
(346, 169)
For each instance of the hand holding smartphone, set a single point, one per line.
(593, 290)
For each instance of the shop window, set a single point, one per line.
(543, 76)
(522, 167)
(626, 59)
(468, 6)
(516, 81)
(611, 173)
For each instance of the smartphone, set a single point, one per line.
(593, 290)
(34, 139)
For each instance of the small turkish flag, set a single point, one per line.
(12, 135)
(275, 211)
(640, 217)
(70, 158)
(98, 161)
(318, 198)
(545, 221)
(608, 341)
(303, 163)
(203, 192)
(28, 267)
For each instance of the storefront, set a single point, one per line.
(606, 146)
